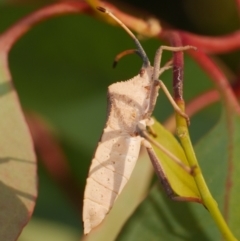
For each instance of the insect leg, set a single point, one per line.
(167, 66)
(172, 101)
(157, 84)
(158, 169)
(160, 172)
(144, 134)
(158, 57)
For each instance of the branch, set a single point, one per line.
(9, 37)
(218, 77)
(213, 45)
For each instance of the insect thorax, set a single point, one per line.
(129, 102)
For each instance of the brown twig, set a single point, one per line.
(218, 78)
(9, 37)
(238, 6)
(213, 45)
(196, 105)
(149, 28)
(210, 67)
(178, 66)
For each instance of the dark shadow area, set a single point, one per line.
(162, 219)
(5, 88)
(14, 214)
(8, 159)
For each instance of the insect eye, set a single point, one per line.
(142, 72)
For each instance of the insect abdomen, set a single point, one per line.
(111, 167)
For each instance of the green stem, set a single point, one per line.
(208, 200)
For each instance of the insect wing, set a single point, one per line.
(111, 167)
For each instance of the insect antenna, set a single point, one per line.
(124, 53)
(140, 49)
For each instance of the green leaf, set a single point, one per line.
(40, 229)
(219, 155)
(181, 182)
(158, 218)
(18, 185)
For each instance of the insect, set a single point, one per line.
(130, 106)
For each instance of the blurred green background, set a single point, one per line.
(62, 68)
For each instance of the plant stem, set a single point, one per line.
(208, 200)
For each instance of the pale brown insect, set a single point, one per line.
(131, 104)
